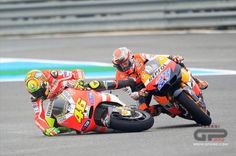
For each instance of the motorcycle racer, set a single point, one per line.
(46, 84)
(130, 65)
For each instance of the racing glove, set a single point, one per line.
(64, 129)
(51, 131)
(177, 58)
(143, 92)
(133, 95)
(136, 95)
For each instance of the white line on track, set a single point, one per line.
(196, 71)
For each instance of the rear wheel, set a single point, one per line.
(136, 122)
(196, 112)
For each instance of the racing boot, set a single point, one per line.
(152, 110)
(143, 107)
(201, 83)
(158, 109)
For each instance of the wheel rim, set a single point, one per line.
(135, 115)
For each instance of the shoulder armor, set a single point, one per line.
(54, 73)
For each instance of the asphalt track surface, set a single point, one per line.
(169, 136)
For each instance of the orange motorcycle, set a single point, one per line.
(175, 90)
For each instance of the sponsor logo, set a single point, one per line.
(67, 73)
(86, 125)
(210, 136)
(49, 109)
(158, 71)
(66, 95)
(61, 119)
(91, 98)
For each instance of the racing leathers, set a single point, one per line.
(59, 80)
(137, 91)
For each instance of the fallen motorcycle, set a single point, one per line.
(89, 110)
(175, 90)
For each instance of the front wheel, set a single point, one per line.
(196, 112)
(136, 122)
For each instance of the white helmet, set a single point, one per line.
(123, 59)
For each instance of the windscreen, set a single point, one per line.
(59, 106)
(151, 66)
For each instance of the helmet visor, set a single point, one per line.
(39, 93)
(125, 65)
(42, 91)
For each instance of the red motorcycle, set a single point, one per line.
(175, 90)
(89, 110)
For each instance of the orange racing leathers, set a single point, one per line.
(139, 60)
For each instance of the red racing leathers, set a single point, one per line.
(58, 80)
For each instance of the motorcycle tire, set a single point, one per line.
(138, 121)
(198, 115)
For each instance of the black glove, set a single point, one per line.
(130, 82)
(177, 58)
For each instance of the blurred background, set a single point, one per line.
(31, 17)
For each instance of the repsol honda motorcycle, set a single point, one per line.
(174, 88)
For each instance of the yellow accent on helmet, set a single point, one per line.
(33, 85)
(34, 80)
(33, 74)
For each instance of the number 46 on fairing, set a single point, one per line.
(79, 110)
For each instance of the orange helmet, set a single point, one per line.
(123, 60)
(37, 84)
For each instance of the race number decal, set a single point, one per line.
(164, 78)
(79, 110)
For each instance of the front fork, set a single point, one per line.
(195, 95)
(189, 86)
